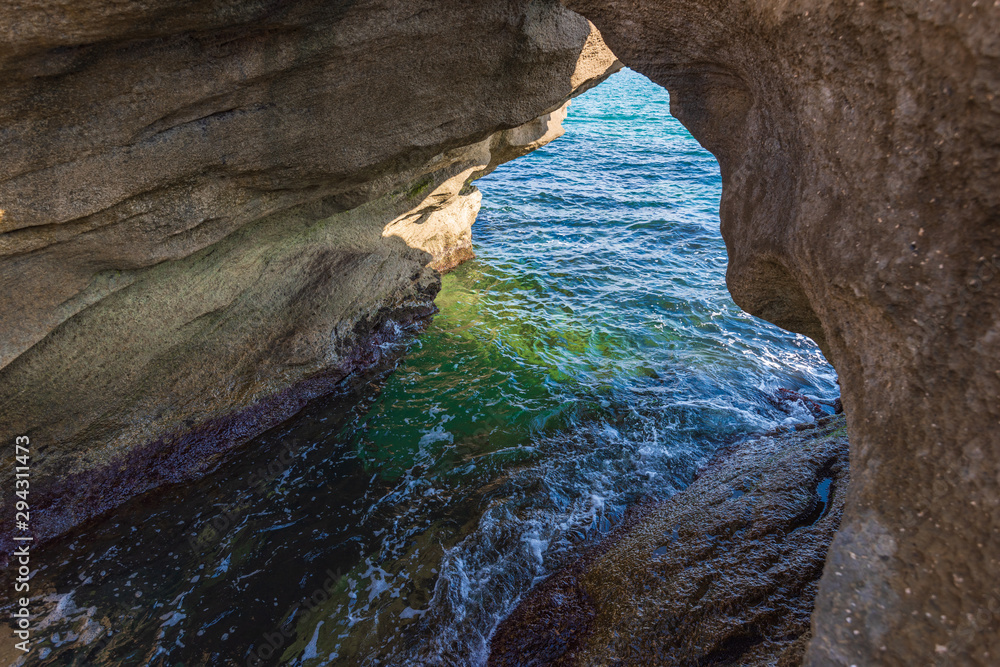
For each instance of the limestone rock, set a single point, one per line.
(211, 212)
(859, 144)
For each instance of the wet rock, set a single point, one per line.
(859, 144)
(723, 573)
(212, 212)
(785, 397)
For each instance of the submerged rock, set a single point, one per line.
(723, 573)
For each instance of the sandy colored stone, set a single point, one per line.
(442, 223)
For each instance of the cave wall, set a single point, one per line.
(212, 211)
(859, 144)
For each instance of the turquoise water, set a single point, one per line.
(588, 358)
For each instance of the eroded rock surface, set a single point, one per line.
(723, 573)
(860, 151)
(211, 212)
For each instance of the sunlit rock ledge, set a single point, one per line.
(214, 212)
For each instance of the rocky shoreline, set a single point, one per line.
(723, 573)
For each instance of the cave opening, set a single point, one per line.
(588, 359)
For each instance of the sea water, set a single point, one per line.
(590, 357)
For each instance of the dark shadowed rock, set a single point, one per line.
(860, 151)
(723, 573)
